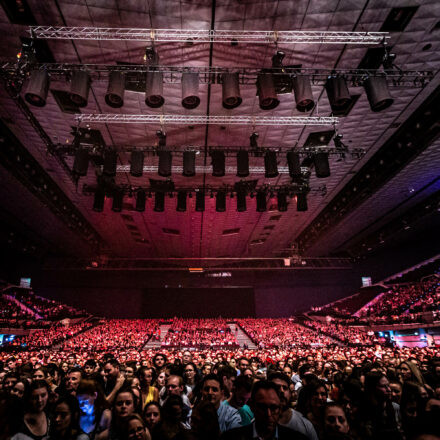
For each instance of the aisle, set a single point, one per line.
(157, 344)
(241, 336)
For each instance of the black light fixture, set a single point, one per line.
(81, 162)
(190, 90)
(231, 90)
(301, 202)
(220, 201)
(110, 160)
(165, 161)
(261, 201)
(377, 93)
(322, 166)
(200, 201)
(189, 163)
(115, 90)
(218, 163)
(282, 201)
(241, 200)
(80, 87)
(270, 164)
(253, 139)
(302, 89)
(37, 88)
(141, 198)
(267, 94)
(242, 163)
(118, 197)
(154, 89)
(181, 201)
(159, 201)
(282, 80)
(337, 92)
(137, 163)
(294, 164)
(98, 199)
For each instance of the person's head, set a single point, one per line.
(243, 363)
(186, 357)
(212, 390)
(9, 380)
(410, 372)
(39, 374)
(266, 405)
(207, 368)
(89, 367)
(159, 361)
(124, 404)
(396, 391)
(204, 421)
(146, 375)
(111, 370)
(37, 397)
(135, 428)
(241, 391)
(90, 397)
(335, 421)
(282, 382)
(190, 372)
(19, 388)
(174, 385)
(152, 414)
(161, 380)
(227, 375)
(377, 387)
(73, 378)
(65, 418)
(172, 409)
(130, 370)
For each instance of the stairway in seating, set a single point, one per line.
(241, 336)
(152, 343)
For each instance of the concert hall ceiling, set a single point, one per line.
(369, 197)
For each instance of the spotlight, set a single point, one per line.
(270, 164)
(159, 201)
(110, 159)
(189, 163)
(162, 138)
(303, 93)
(154, 89)
(218, 163)
(322, 166)
(37, 88)
(231, 90)
(293, 162)
(81, 162)
(165, 160)
(220, 201)
(242, 163)
(301, 202)
(261, 201)
(200, 201)
(190, 90)
(282, 81)
(79, 88)
(137, 163)
(181, 201)
(337, 92)
(282, 201)
(377, 93)
(115, 90)
(98, 200)
(241, 200)
(253, 140)
(118, 197)
(266, 91)
(141, 198)
(151, 56)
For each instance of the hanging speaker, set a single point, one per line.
(98, 199)
(190, 90)
(141, 198)
(261, 201)
(377, 93)
(118, 197)
(81, 162)
(301, 202)
(270, 164)
(79, 88)
(282, 201)
(159, 201)
(154, 89)
(218, 163)
(115, 90)
(322, 166)
(200, 201)
(242, 163)
(110, 159)
(181, 201)
(37, 88)
(293, 162)
(220, 201)
(165, 160)
(337, 92)
(137, 163)
(241, 201)
(303, 93)
(231, 90)
(266, 91)
(189, 163)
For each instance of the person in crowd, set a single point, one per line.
(335, 423)
(239, 397)
(227, 375)
(159, 362)
(72, 380)
(396, 391)
(190, 375)
(135, 428)
(311, 401)
(204, 422)
(149, 393)
(152, 415)
(20, 388)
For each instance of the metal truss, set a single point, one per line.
(109, 118)
(207, 36)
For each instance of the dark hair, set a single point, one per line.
(113, 362)
(35, 385)
(159, 355)
(212, 376)
(90, 386)
(227, 371)
(243, 382)
(263, 385)
(207, 426)
(140, 375)
(72, 403)
(280, 376)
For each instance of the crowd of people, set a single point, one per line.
(11, 315)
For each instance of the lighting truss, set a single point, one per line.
(207, 36)
(109, 118)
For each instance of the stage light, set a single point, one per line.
(80, 87)
(301, 202)
(181, 201)
(282, 81)
(118, 197)
(189, 163)
(218, 163)
(241, 200)
(141, 198)
(154, 89)
(200, 201)
(162, 137)
(37, 88)
(242, 163)
(231, 90)
(98, 200)
(377, 93)
(293, 162)
(165, 161)
(110, 159)
(266, 91)
(81, 162)
(337, 92)
(282, 201)
(302, 89)
(190, 90)
(159, 201)
(115, 90)
(137, 163)
(270, 164)
(220, 201)
(322, 166)
(254, 140)
(261, 201)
